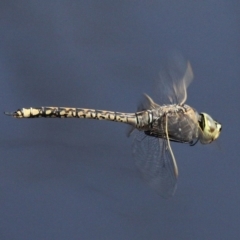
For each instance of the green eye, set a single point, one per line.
(210, 129)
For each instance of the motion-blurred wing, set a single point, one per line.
(155, 163)
(180, 87)
(175, 78)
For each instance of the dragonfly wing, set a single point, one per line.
(155, 163)
(180, 87)
(175, 78)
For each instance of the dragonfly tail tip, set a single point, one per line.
(10, 114)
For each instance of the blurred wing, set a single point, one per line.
(155, 163)
(180, 87)
(175, 78)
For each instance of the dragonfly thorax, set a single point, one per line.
(182, 123)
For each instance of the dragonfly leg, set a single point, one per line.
(170, 149)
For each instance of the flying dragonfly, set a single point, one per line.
(153, 126)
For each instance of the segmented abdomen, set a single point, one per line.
(64, 112)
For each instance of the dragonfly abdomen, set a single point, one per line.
(64, 112)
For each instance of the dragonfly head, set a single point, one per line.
(210, 129)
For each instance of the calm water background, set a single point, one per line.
(76, 179)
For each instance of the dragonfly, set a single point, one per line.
(153, 127)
